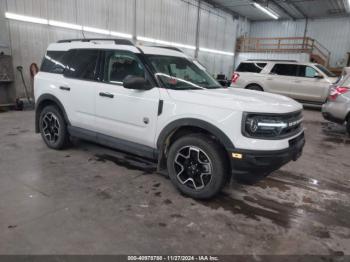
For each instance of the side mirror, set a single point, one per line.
(318, 76)
(136, 82)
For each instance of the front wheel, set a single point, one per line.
(197, 166)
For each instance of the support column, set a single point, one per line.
(134, 29)
(198, 24)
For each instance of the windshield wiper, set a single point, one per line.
(213, 87)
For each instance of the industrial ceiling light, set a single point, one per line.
(65, 25)
(55, 23)
(162, 42)
(96, 30)
(215, 51)
(267, 11)
(38, 20)
(25, 18)
(121, 34)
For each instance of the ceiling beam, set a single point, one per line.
(222, 7)
(297, 8)
(283, 9)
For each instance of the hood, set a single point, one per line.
(332, 80)
(238, 99)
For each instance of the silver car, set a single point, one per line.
(337, 108)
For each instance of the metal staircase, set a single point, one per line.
(318, 53)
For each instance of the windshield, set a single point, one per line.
(180, 73)
(325, 71)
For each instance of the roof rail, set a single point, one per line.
(272, 60)
(168, 47)
(117, 41)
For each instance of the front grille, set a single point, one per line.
(294, 121)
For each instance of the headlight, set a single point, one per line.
(271, 126)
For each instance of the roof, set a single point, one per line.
(278, 61)
(286, 9)
(65, 45)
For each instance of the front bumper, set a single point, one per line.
(262, 163)
(335, 111)
(328, 116)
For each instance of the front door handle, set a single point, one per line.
(109, 95)
(297, 81)
(65, 88)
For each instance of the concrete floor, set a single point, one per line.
(91, 200)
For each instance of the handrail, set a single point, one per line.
(283, 44)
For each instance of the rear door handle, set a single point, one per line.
(109, 95)
(65, 88)
(297, 81)
(270, 78)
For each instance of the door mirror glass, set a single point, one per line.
(318, 76)
(136, 82)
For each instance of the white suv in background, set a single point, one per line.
(157, 103)
(308, 83)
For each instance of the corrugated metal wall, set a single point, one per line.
(333, 33)
(217, 31)
(170, 20)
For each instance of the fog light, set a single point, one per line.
(237, 155)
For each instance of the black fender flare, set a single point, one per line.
(39, 106)
(254, 84)
(193, 122)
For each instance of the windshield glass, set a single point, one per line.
(325, 71)
(180, 73)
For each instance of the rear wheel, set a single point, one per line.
(254, 87)
(53, 128)
(197, 166)
(348, 125)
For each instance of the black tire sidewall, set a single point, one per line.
(62, 131)
(219, 165)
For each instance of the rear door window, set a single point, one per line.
(251, 67)
(82, 64)
(54, 62)
(285, 69)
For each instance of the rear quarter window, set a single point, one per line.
(251, 67)
(54, 62)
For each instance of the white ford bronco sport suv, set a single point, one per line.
(157, 103)
(308, 83)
